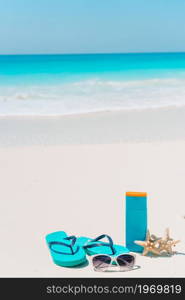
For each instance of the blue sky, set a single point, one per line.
(91, 26)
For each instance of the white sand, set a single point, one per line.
(71, 173)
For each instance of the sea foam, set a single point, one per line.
(90, 96)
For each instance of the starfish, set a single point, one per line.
(155, 238)
(166, 243)
(150, 245)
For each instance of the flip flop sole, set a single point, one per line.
(55, 236)
(70, 260)
(82, 240)
(65, 260)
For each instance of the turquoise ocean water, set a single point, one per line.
(70, 84)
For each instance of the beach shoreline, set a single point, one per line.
(62, 173)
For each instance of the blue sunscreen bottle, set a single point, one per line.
(136, 219)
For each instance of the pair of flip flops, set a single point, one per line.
(70, 251)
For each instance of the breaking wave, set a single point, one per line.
(91, 95)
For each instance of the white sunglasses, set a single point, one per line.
(105, 262)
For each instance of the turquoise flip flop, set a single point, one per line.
(64, 250)
(55, 236)
(96, 246)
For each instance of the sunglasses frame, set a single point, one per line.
(114, 259)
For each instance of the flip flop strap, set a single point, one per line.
(73, 238)
(95, 244)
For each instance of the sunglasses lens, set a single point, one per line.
(101, 262)
(126, 260)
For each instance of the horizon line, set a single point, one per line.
(92, 53)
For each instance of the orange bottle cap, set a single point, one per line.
(136, 194)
